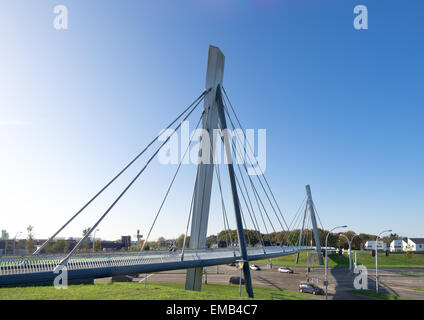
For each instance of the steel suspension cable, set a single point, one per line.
(245, 227)
(224, 211)
(296, 223)
(301, 236)
(240, 189)
(305, 226)
(319, 218)
(293, 220)
(195, 102)
(248, 198)
(247, 206)
(302, 230)
(250, 214)
(250, 147)
(308, 233)
(244, 198)
(241, 208)
(65, 260)
(188, 222)
(255, 192)
(291, 235)
(257, 175)
(172, 182)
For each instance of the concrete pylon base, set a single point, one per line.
(194, 279)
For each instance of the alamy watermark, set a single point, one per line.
(219, 146)
(360, 22)
(61, 280)
(60, 21)
(361, 280)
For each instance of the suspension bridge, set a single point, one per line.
(257, 207)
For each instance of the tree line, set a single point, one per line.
(228, 238)
(254, 238)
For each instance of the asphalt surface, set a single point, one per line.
(340, 280)
(399, 285)
(268, 278)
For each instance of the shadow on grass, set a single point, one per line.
(341, 261)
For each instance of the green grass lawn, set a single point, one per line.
(380, 296)
(138, 291)
(419, 289)
(334, 260)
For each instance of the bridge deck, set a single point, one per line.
(32, 270)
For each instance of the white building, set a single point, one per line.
(370, 245)
(416, 244)
(397, 246)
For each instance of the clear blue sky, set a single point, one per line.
(342, 108)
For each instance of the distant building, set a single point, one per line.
(397, 246)
(370, 245)
(111, 245)
(11, 247)
(126, 241)
(4, 235)
(164, 244)
(416, 244)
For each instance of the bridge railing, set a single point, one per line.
(47, 263)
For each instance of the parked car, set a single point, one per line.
(310, 288)
(236, 280)
(285, 270)
(254, 267)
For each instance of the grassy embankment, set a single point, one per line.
(138, 291)
(364, 258)
(379, 296)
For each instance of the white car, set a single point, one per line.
(285, 270)
(254, 267)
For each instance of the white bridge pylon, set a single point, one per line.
(214, 114)
(204, 177)
(310, 207)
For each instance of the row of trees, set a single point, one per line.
(253, 238)
(59, 246)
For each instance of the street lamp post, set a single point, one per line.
(376, 259)
(307, 266)
(326, 260)
(350, 248)
(350, 251)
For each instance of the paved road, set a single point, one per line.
(340, 280)
(400, 285)
(269, 278)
